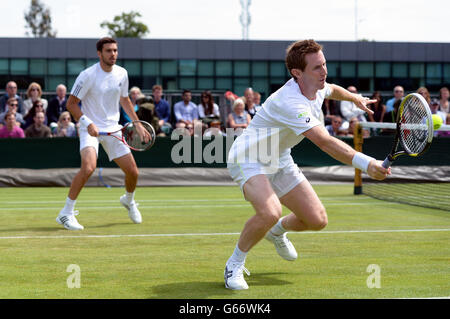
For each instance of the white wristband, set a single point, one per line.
(85, 121)
(361, 161)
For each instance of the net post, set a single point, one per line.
(358, 143)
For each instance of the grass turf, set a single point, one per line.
(188, 233)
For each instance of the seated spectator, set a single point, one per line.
(11, 91)
(330, 109)
(34, 93)
(445, 133)
(349, 110)
(11, 107)
(57, 105)
(146, 112)
(249, 101)
(434, 107)
(134, 94)
(257, 100)
(186, 112)
(399, 92)
(391, 117)
(239, 118)
(334, 129)
(10, 129)
(208, 111)
(65, 127)
(378, 108)
(425, 93)
(162, 109)
(38, 128)
(350, 131)
(37, 106)
(444, 103)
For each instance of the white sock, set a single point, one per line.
(238, 256)
(130, 197)
(278, 229)
(69, 206)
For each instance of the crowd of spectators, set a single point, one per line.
(37, 117)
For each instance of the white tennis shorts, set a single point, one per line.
(112, 146)
(283, 180)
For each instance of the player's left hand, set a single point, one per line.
(143, 133)
(362, 102)
(377, 171)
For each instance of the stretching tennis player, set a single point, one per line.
(288, 115)
(100, 88)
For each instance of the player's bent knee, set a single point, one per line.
(318, 223)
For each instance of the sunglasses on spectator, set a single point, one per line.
(14, 104)
(398, 91)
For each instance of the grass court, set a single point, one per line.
(188, 233)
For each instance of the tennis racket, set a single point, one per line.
(414, 131)
(129, 135)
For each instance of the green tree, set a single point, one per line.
(126, 26)
(39, 21)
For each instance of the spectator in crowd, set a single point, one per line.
(186, 112)
(65, 127)
(391, 117)
(162, 109)
(146, 112)
(11, 130)
(11, 106)
(378, 108)
(135, 93)
(445, 133)
(334, 129)
(330, 109)
(11, 91)
(34, 93)
(208, 111)
(249, 102)
(350, 131)
(257, 100)
(425, 93)
(38, 128)
(444, 103)
(57, 105)
(38, 106)
(349, 110)
(399, 92)
(239, 118)
(434, 107)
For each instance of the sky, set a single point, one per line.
(324, 20)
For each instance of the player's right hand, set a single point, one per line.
(377, 171)
(92, 130)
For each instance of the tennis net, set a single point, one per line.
(423, 181)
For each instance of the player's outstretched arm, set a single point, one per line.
(345, 153)
(341, 94)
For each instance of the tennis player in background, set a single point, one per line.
(288, 115)
(100, 88)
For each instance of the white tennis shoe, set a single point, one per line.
(283, 246)
(133, 211)
(234, 276)
(69, 221)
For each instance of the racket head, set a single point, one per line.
(414, 125)
(132, 139)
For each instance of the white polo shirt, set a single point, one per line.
(100, 93)
(282, 119)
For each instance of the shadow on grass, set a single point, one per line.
(204, 290)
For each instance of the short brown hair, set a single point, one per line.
(103, 41)
(157, 87)
(296, 52)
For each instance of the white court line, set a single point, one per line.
(229, 234)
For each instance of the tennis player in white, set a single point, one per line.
(287, 116)
(100, 88)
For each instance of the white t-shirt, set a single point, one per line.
(100, 93)
(201, 111)
(282, 119)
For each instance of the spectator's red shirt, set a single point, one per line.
(17, 132)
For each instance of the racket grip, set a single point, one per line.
(388, 162)
(103, 133)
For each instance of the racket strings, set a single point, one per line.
(414, 128)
